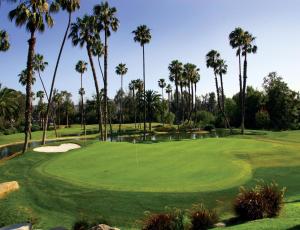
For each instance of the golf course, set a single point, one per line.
(118, 181)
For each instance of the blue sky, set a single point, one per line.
(181, 29)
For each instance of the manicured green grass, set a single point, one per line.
(120, 181)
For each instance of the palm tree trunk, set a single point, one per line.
(223, 97)
(31, 46)
(100, 67)
(177, 102)
(134, 104)
(195, 112)
(120, 117)
(244, 95)
(81, 100)
(220, 106)
(182, 101)
(144, 79)
(105, 87)
(99, 112)
(192, 100)
(53, 80)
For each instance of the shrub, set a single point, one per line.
(12, 215)
(81, 225)
(259, 202)
(273, 199)
(202, 218)
(161, 221)
(262, 119)
(209, 127)
(205, 117)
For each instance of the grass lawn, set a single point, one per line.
(120, 181)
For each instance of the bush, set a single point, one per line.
(205, 117)
(259, 202)
(202, 218)
(158, 222)
(13, 215)
(262, 120)
(209, 127)
(9, 131)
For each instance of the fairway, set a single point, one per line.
(181, 166)
(120, 181)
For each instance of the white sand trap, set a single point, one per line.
(57, 149)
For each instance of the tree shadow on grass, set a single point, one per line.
(297, 227)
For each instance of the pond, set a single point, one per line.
(15, 148)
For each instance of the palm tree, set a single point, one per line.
(58, 100)
(142, 35)
(195, 81)
(131, 87)
(152, 100)
(212, 61)
(248, 47)
(33, 14)
(121, 70)
(81, 67)
(236, 42)
(39, 65)
(85, 33)
(176, 69)
(40, 94)
(107, 20)
(221, 70)
(169, 92)
(70, 6)
(23, 78)
(4, 41)
(139, 86)
(9, 104)
(98, 51)
(162, 84)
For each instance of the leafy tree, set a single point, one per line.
(9, 104)
(121, 70)
(4, 41)
(81, 68)
(142, 35)
(84, 32)
(107, 21)
(152, 101)
(282, 103)
(33, 14)
(262, 119)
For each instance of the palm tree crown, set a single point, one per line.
(4, 41)
(33, 14)
(121, 69)
(38, 63)
(142, 35)
(162, 83)
(23, 77)
(106, 17)
(212, 58)
(81, 66)
(69, 5)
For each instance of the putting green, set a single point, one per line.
(183, 166)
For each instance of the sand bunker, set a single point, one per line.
(8, 187)
(57, 149)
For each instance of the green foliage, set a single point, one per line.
(17, 214)
(262, 119)
(262, 201)
(205, 118)
(202, 218)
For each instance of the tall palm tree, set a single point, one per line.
(139, 87)
(221, 70)
(169, 92)
(142, 35)
(4, 41)
(39, 66)
(152, 100)
(236, 42)
(162, 84)
(248, 47)
(69, 6)
(132, 87)
(107, 20)
(98, 51)
(121, 70)
(195, 81)
(23, 78)
(81, 68)
(85, 33)
(34, 15)
(212, 61)
(176, 69)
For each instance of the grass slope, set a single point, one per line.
(120, 181)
